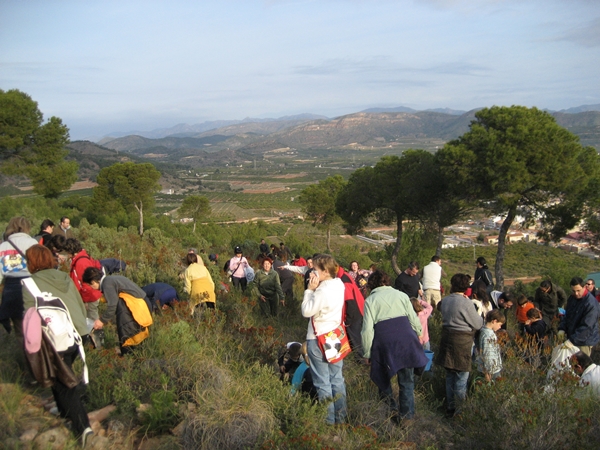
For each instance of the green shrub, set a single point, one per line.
(162, 414)
(526, 416)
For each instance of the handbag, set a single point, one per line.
(249, 273)
(334, 344)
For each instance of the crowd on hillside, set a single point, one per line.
(364, 313)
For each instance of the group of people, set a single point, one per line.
(384, 330)
(394, 331)
(386, 323)
(473, 313)
(80, 289)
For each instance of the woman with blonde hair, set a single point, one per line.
(13, 268)
(324, 303)
(198, 283)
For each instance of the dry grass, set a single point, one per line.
(228, 418)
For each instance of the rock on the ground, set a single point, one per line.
(29, 435)
(179, 429)
(99, 443)
(115, 427)
(156, 443)
(140, 410)
(101, 414)
(53, 439)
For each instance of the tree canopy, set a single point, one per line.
(519, 161)
(383, 192)
(196, 207)
(33, 149)
(132, 185)
(318, 203)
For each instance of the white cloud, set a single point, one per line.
(587, 35)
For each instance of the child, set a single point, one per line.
(535, 327)
(302, 379)
(289, 360)
(489, 361)
(423, 310)
(524, 304)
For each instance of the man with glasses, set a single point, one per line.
(580, 322)
(548, 298)
(590, 285)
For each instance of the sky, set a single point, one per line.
(106, 66)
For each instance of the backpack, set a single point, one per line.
(361, 281)
(139, 318)
(88, 294)
(56, 321)
(11, 262)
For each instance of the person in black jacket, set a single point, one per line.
(263, 248)
(409, 281)
(46, 229)
(548, 298)
(484, 273)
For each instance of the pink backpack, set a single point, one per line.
(32, 330)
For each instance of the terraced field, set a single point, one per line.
(241, 206)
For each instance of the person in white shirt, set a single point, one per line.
(588, 372)
(324, 303)
(432, 277)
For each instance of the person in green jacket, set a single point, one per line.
(267, 287)
(40, 263)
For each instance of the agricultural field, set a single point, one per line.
(244, 193)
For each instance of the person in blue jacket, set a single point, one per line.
(580, 322)
(163, 293)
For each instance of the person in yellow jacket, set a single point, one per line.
(198, 283)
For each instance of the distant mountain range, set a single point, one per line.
(579, 109)
(185, 130)
(454, 112)
(360, 130)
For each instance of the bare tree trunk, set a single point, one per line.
(499, 269)
(329, 239)
(397, 246)
(440, 241)
(140, 210)
(194, 228)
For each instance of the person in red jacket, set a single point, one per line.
(80, 260)
(354, 304)
(299, 261)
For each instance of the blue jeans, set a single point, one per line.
(329, 382)
(456, 387)
(406, 395)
